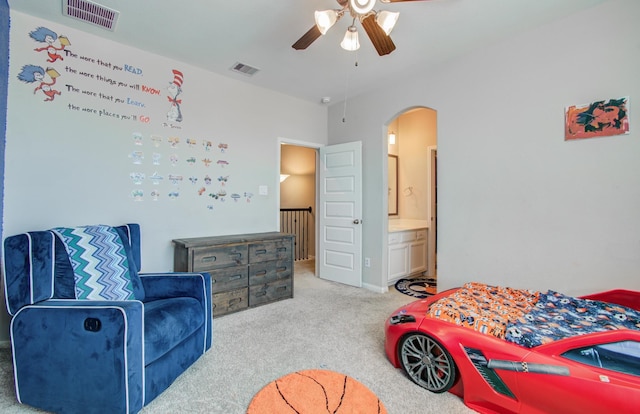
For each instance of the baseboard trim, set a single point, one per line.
(375, 288)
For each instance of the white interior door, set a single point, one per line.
(340, 213)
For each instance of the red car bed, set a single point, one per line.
(505, 350)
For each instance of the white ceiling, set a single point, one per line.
(215, 34)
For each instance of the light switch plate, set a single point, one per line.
(263, 190)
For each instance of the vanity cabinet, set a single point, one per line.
(407, 254)
(246, 270)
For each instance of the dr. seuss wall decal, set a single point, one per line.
(36, 74)
(49, 37)
(88, 82)
(597, 119)
(174, 90)
(45, 78)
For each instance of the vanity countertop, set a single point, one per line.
(396, 225)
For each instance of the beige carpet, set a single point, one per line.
(325, 326)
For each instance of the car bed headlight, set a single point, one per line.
(402, 318)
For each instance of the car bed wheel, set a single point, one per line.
(427, 363)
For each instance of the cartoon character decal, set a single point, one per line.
(33, 74)
(47, 36)
(174, 89)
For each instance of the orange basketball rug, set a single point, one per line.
(315, 392)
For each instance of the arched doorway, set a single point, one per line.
(412, 194)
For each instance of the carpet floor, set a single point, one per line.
(325, 326)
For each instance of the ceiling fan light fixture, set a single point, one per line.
(387, 20)
(325, 19)
(362, 7)
(350, 41)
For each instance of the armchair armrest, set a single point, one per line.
(185, 284)
(89, 352)
(175, 284)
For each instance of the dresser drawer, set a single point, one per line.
(229, 278)
(270, 250)
(208, 258)
(230, 301)
(263, 272)
(269, 292)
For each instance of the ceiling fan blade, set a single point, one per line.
(383, 43)
(307, 38)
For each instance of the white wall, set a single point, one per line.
(66, 167)
(517, 204)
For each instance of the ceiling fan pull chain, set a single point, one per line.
(344, 111)
(346, 90)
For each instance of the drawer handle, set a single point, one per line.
(235, 301)
(281, 288)
(261, 273)
(261, 251)
(235, 277)
(262, 293)
(282, 249)
(209, 259)
(282, 269)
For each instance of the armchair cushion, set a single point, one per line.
(167, 323)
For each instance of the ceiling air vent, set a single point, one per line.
(244, 69)
(92, 13)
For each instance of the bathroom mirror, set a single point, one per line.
(393, 185)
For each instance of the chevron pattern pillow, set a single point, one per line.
(99, 262)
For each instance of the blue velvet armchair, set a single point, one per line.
(89, 333)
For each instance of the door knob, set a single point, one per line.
(356, 221)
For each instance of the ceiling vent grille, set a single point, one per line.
(92, 13)
(244, 69)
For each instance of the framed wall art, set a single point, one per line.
(597, 119)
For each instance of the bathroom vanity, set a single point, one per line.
(407, 249)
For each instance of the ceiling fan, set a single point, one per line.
(377, 24)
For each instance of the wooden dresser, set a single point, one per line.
(246, 270)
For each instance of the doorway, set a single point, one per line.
(330, 178)
(414, 149)
(298, 200)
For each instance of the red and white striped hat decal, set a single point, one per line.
(177, 77)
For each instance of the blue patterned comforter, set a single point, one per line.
(556, 316)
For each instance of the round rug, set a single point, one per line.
(315, 392)
(419, 288)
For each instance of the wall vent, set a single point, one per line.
(92, 13)
(244, 69)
